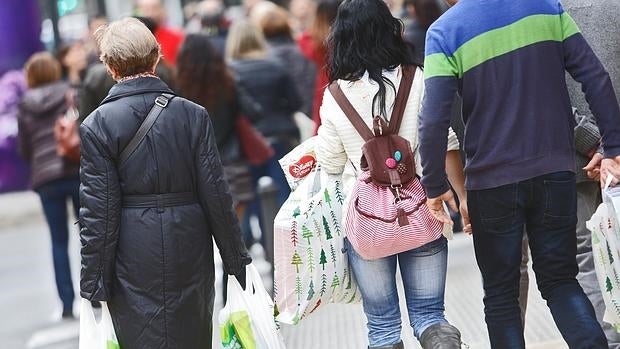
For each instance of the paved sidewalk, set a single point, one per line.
(29, 303)
(19, 208)
(343, 326)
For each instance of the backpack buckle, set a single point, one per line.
(161, 101)
(396, 190)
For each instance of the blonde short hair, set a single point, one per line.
(245, 41)
(259, 10)
(272, 19)
(128, 47)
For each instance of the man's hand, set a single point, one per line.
(610, 167)
(465, 215)
(435, 205)
(593, 169)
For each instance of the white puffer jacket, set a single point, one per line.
(339, 146)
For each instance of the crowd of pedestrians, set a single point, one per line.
(494, 131)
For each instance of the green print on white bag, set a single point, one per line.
(237, 333)
(310, 256)
(296, 261)
(605, 250)
(307, 234)
(112, 345)
(328, 198)
(338, 191)
(311, 267)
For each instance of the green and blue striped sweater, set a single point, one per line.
(507, 59)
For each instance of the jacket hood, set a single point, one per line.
(40, 101)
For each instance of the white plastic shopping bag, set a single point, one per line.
(305, 124)
(310, 267)
(247, 320)
(605, 228)
(96, 328)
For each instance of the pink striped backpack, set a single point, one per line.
(387, 212)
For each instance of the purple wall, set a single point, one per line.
(14, 174)
(20, 29)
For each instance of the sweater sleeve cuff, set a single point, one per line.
(98, 293)
(436, 191)
(611, 152)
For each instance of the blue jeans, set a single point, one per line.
(271, 169)
(423, 271)
(547, 207)
(54, 197)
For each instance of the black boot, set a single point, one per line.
(441, 336)
(395, 346)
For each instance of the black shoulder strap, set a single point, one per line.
(161, 102)
(406, 80)
(350, 112)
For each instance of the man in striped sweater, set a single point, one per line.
(507, 59)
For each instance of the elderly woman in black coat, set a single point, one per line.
(152, 199)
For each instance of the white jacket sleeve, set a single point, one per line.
(329, 149)
(453, 141)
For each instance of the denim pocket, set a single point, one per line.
(497, 207)
(560, 200)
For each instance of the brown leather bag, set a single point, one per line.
(66, 132)
(386, 155)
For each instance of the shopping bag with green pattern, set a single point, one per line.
(247, 320)
(605, 228)
(311, 268)
(236, 331)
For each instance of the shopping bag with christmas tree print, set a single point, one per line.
(605, 243)
(311, 268)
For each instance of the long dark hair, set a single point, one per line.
(202, 74)
(366, 37)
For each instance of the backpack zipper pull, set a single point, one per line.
(402, 217)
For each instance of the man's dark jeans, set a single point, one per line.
(547, 207)
(54, 197)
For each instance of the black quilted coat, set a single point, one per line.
(147, 226)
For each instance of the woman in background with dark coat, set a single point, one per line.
(267, 82)
(274, 23)
(204, 78)
(54, 178)
(148, 222)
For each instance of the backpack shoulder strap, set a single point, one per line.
(408, 74)
(161, 102)
(350, 112)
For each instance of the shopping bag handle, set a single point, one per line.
(608, 181)
(253, 283)
(254, 279)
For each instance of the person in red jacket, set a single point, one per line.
(169, 38)
(312, 44)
